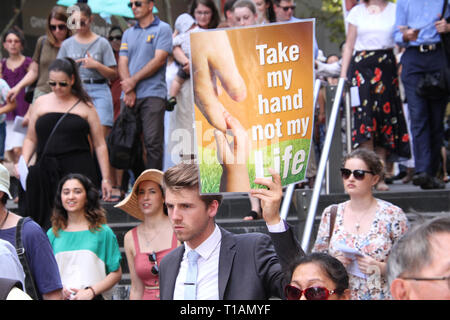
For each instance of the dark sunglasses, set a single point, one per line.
(286, 9)
(152, 259)
(135, 3)
(358, 174)
(61, 83)
(112, 38)
(311, 293)
(62, 27)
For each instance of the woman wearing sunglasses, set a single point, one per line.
(46, 50)
(146, 244)
(70, 148)
(96, 62)
(364, 228)
(85, 248)
(317, 276)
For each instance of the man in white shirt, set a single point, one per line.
(230, 266)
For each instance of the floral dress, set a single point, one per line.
(389, 224)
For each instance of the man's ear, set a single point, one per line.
(400, 289)
(212, 209)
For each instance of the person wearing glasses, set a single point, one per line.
(46, 50)
(418, 267)
(363, 229)
(146, 244)
(205, 12)
(115, 39)
(284, 10)
(69, 148)
(96, 63)
(142, 68)
(85, 247)
(317, 276)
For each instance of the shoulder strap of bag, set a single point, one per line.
(30, 287)
(333, 213)
(55, 127)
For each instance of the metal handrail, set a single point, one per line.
(322, 165)
(291, 187)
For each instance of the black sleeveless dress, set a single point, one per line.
(68, 151)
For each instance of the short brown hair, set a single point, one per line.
(186, 176)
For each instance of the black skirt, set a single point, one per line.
(380, 113)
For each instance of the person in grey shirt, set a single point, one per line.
(96, 63)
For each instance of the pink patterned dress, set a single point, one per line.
(389, 224)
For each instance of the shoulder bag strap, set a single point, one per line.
(30, 286)
(55, 127)
(333, 213)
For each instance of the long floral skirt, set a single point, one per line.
(380, 113)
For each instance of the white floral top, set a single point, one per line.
(389, 225)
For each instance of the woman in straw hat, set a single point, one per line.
(146, 244)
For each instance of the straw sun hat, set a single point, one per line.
(130, 203)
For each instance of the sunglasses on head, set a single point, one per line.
(112, 38)
(135, 3)
(286, 9)
(358, 174)
(60, 83)
(311, 293)
(152, 259)
(62, 27)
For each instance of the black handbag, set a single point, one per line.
(123, 140)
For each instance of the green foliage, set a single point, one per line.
(330, 16)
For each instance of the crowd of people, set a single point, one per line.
(365, 248)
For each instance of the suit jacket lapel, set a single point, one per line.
(226, 257)
(172, 272)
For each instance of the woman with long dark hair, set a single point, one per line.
(68, 149)
(85, 248)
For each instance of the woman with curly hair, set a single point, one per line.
(85, 248)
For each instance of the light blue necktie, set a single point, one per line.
(190, 285)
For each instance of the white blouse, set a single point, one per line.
(375, 31)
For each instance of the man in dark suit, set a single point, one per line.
(230, 266)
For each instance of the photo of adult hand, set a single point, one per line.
(233, 156)
(216, 60)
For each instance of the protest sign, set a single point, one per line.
(253, 94)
